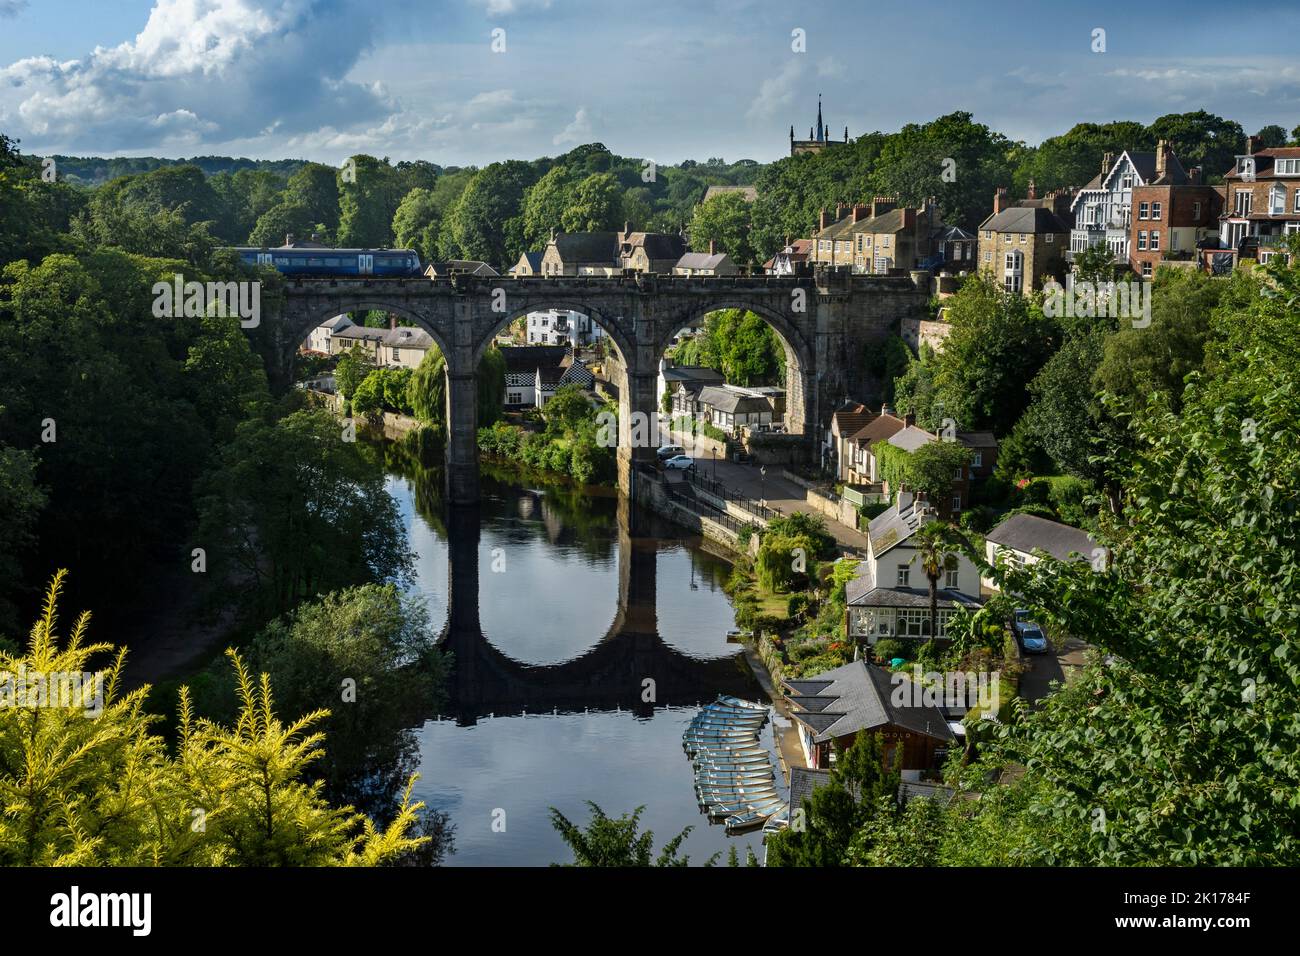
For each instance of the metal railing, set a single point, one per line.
(719, 490)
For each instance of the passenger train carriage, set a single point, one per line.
(334, 262)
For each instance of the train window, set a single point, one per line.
(385, 261)
(282, 260)
(333, 261)
(315, 261)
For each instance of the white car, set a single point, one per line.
(680, 461)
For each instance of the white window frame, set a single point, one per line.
(1142, 240)
(1144, 210)
(1157, 210)
(1155, 240)
(904, 576)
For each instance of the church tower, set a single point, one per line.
(819, 136)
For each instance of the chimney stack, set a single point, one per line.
(822, 222)
(1032, 192)
(1194, 176)
(392, 322)
(839, 211)
(881, 205)
(860, 211)
(288, 238)
(713, 247)
(1106, 160)
(1250, 145)
(1162, 158)
(1000, 200)
(909, 418)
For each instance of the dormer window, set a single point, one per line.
(1246, 167)
(1286, 167)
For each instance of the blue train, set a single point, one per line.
(320, 261)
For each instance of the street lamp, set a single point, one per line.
(762, 485)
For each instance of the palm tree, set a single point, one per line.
(932, 541)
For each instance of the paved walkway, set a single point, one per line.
(775, 491)
(1063, 662)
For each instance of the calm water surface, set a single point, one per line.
(560, 606)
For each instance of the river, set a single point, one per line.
(586, 635)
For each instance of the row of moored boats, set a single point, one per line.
(734, 779)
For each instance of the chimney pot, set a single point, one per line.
(713, 247)
(1032, 192)
(1250, 145)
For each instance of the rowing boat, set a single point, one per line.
(737, 702)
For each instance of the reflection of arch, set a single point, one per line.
(786, 330)
(318, 315)
(612, 673)
(607, 325)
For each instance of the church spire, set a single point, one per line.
(821, 127)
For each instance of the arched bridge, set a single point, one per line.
(826, 320)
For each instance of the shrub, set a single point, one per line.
(798, 605)
(889, 648)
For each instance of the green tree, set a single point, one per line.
(998, 343)
(416, 223)
(597, 205)
(353, 367)
(297, 511)
(369, 191)
(724, 219)
(606, 841)
(861, 788)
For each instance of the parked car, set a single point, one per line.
(670, 451)
(1020, 620)
(1032, 639)
(680, 461)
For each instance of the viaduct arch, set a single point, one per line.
(826, 320)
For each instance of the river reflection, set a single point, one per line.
(585, 636)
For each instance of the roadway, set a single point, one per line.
(772, 489)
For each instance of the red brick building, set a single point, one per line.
(1171, 214)
(1261, 206)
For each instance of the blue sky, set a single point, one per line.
(674, 79)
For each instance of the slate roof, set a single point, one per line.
(361, 332)
(803, 781)
(529, 358)
(693, 373)
(1035, 219)
(911, 438)
(912, 598)
(534, 260)
(657, 245)
(910, 789)
(726, 400)
(1027, 533)
(862, 700)
(701, 260)
(337, 324)
(575, 247)
(473, 267)
(407, 337)
(1264, 161)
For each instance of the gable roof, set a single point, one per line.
(880, 428)
(405, 336)
(803, 781)
(700, 260)
(472, 267)
(850, 417)
(657, 245)
(862, 699)
(911, 437)
(895, 524)
(1027, 533)
(693, 373)
(529, 358)
(727, 400)
(575, 247)
(1031, 219)
(1264, 161)
(532, 259)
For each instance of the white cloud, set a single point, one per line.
(11, 8)
(222, 69)
(496, 8)
(776, 93)
(578, 131)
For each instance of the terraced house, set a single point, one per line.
(881, 237)
(1261, 208)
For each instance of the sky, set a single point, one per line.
(669, 80)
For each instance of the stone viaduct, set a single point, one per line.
(827, 320)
